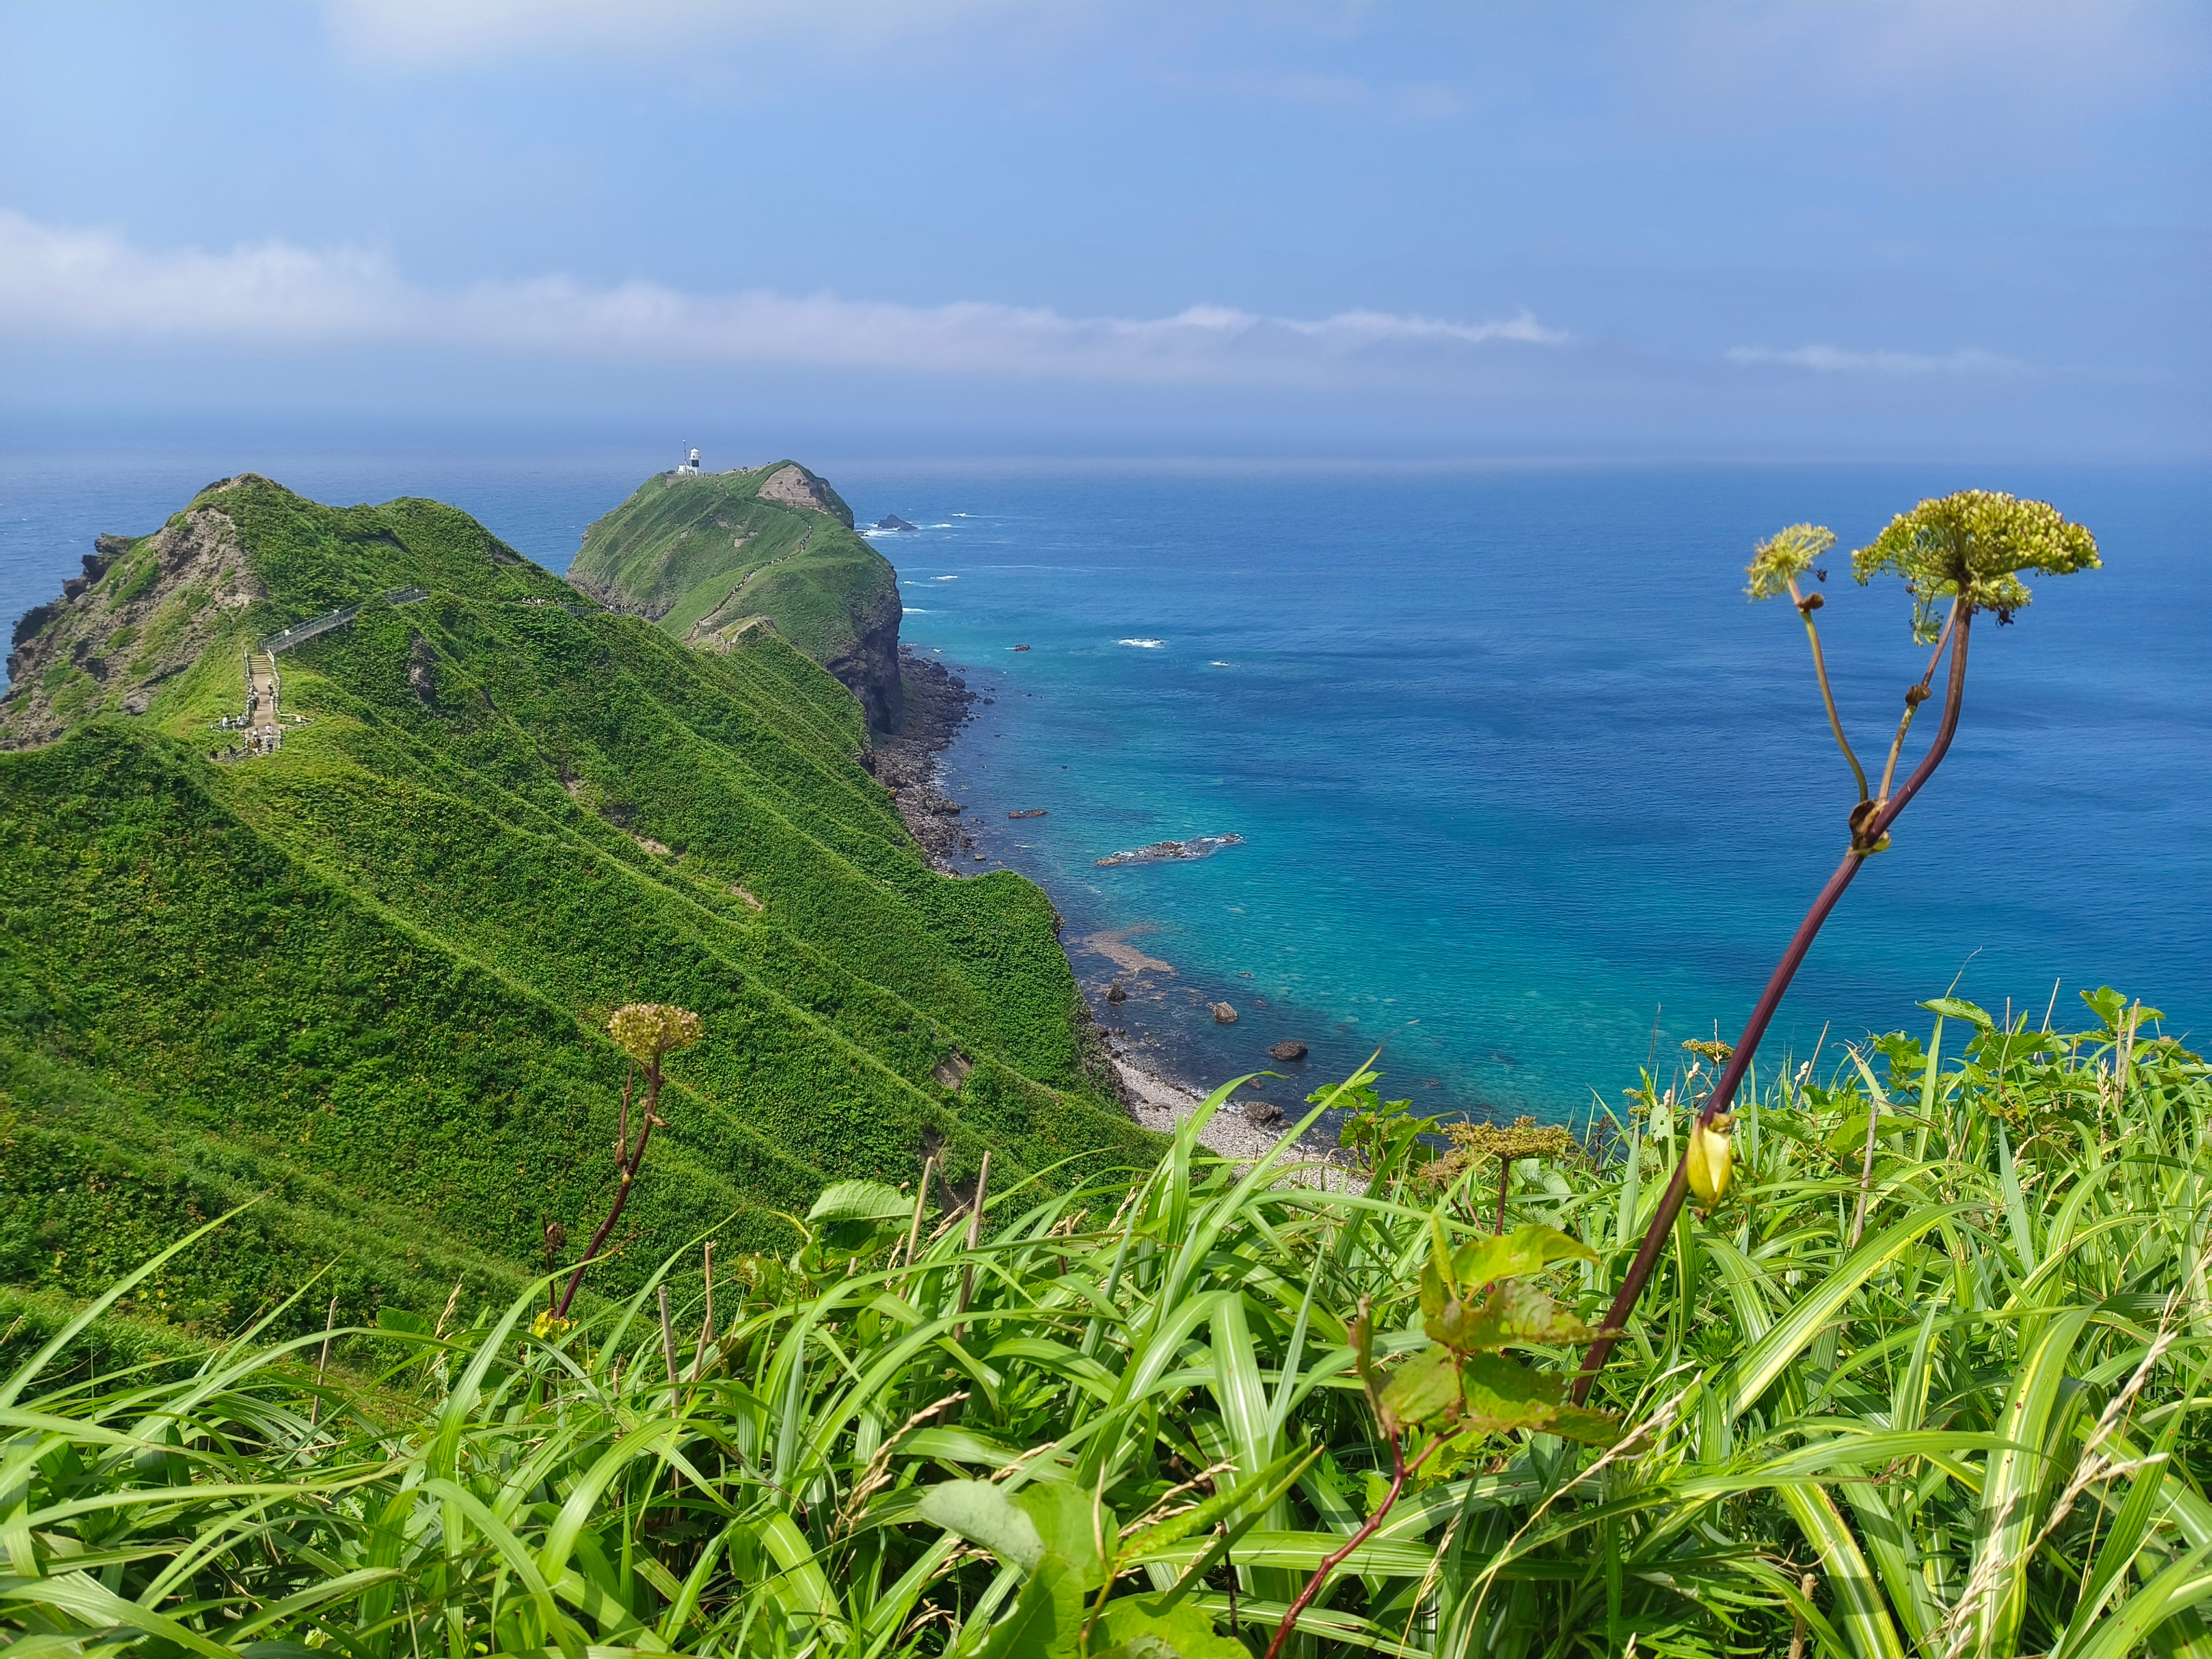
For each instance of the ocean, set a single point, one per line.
(1526, 792)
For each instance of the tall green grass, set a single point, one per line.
(1930, 1381)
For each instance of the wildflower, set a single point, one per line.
(1471, 1143)
(1711, 1158)
(549, 1324)
(1974, 544)
(1713, 1049)
(646, 1030)
(1777, 561)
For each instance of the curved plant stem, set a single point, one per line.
(1913, 700)
(1820, 674)
(1868, 836)
(627, 1163)
(1400, 1472)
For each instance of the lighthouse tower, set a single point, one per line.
(690, 468)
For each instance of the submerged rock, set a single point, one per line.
(1197, 847)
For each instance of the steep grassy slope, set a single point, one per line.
(708, 554)
(366, 973)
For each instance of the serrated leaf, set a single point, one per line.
(1526, 1249)
(1513, 1313)
(1423, 1389)
(1502, 1394)
(1435, 1293)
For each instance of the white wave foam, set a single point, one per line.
(1143, 645)
(912, 611)
(944, 578)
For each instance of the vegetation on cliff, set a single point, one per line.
(707, 556)
(367, 973)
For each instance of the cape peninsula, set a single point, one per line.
(708, 556)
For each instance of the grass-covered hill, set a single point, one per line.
(366, 975)
(709, 555)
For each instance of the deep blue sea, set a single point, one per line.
(1525, 788)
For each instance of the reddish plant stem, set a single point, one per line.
(1869, 836)
(1400, 1472)
(1504, 1173)
(627, 1163)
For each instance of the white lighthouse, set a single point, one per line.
(690, 468)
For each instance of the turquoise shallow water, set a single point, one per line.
(1519, 773)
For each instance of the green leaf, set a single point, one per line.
(1081, 1533)
(1959, 1008)
(1129, 1630)
(983, 1514)
(1513, 1313)
(860, 1200)
(1423, 1389)
(399, 1320)
(1047, 1622)
(1502, 1394)
(1526, 1249)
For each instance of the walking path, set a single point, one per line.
(261, 690)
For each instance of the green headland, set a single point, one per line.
(368, 972)
(712, 556)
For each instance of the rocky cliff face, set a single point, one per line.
(871, 668)
(142, 612)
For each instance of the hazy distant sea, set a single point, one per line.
(1519, 773)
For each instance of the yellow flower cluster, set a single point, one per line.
(1785, 555)
(646, 1030)
(1975, 542)
(1473, 1143)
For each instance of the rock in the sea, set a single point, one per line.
(1197, 847)
(892, 521)
(1223, 1014)
(1116, 994)
(1265, 1113)
(1289, 1048)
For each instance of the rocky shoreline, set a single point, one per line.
(935, 706)
(938, 703)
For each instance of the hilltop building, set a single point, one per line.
(690, 468)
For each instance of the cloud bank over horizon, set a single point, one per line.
(96, 285)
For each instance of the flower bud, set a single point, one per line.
(1711, 1158)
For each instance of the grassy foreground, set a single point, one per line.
(1930, 1381)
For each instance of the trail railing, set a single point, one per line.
(315, 626)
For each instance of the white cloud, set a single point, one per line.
(1834, 360)
(94, 284)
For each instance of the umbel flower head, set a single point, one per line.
(1785, 556)
(1475, 1143)
(646, 1030)
(1974, 544)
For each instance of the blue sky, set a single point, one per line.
(1869, 228)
